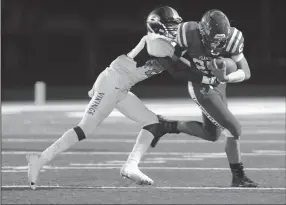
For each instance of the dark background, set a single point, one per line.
(67, 43)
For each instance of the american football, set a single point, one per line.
(230, 64)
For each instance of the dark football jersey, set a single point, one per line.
(189, 42)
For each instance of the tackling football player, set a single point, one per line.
(202, 43)
(111, 90)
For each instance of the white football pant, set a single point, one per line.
(109, 94)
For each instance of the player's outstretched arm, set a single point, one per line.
(170, 58)
(181, 69)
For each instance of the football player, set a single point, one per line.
(111, 90)
(201, 43)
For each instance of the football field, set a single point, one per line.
(185, 169)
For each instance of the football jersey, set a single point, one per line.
(140, 63)
(189, 42)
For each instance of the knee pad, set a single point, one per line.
(80, 133)
(157, 131)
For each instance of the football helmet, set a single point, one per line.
(164, 21)
(215, 30)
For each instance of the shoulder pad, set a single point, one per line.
(152, 36)
(160, 47)
(235, 43)
(184, 32)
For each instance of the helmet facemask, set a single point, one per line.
(172, 28)
(164, 26)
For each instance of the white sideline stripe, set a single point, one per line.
(162, 141)
(146, 188)
(16, 171)
(132, 133)
(149, 168)
(192, 111)
(167, 109)
(190, 154)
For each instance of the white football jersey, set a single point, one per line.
(140, 63)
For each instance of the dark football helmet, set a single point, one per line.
(164, 21)
(215, 30)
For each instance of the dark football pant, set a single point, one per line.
(216, 115)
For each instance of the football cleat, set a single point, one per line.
(242, 181)
(33, 169)
(239, 179)
(133, 173)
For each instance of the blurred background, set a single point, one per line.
(67, 43)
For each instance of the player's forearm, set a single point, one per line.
(190, 77)
(181, 71)
(243, 71)
(236, 77)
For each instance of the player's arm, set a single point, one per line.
(182, 70)
(242, 66)
(235, 47)
(169, 56)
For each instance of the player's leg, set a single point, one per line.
(205, 130)
(217, 117)
(102, 103)
(232, 150)
(214, 105)
(232, 147)
(132, 107)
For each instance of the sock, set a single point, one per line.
(68, 139)
(232, 150)
(142, 144)
(169, 126)
(237, 169)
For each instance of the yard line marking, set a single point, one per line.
(192, 110)
(190, 154)
(162, 141)
(134, 132)
(16, 170)
(174, 108)
(9, 187)
(149, 168)
(247, 122)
